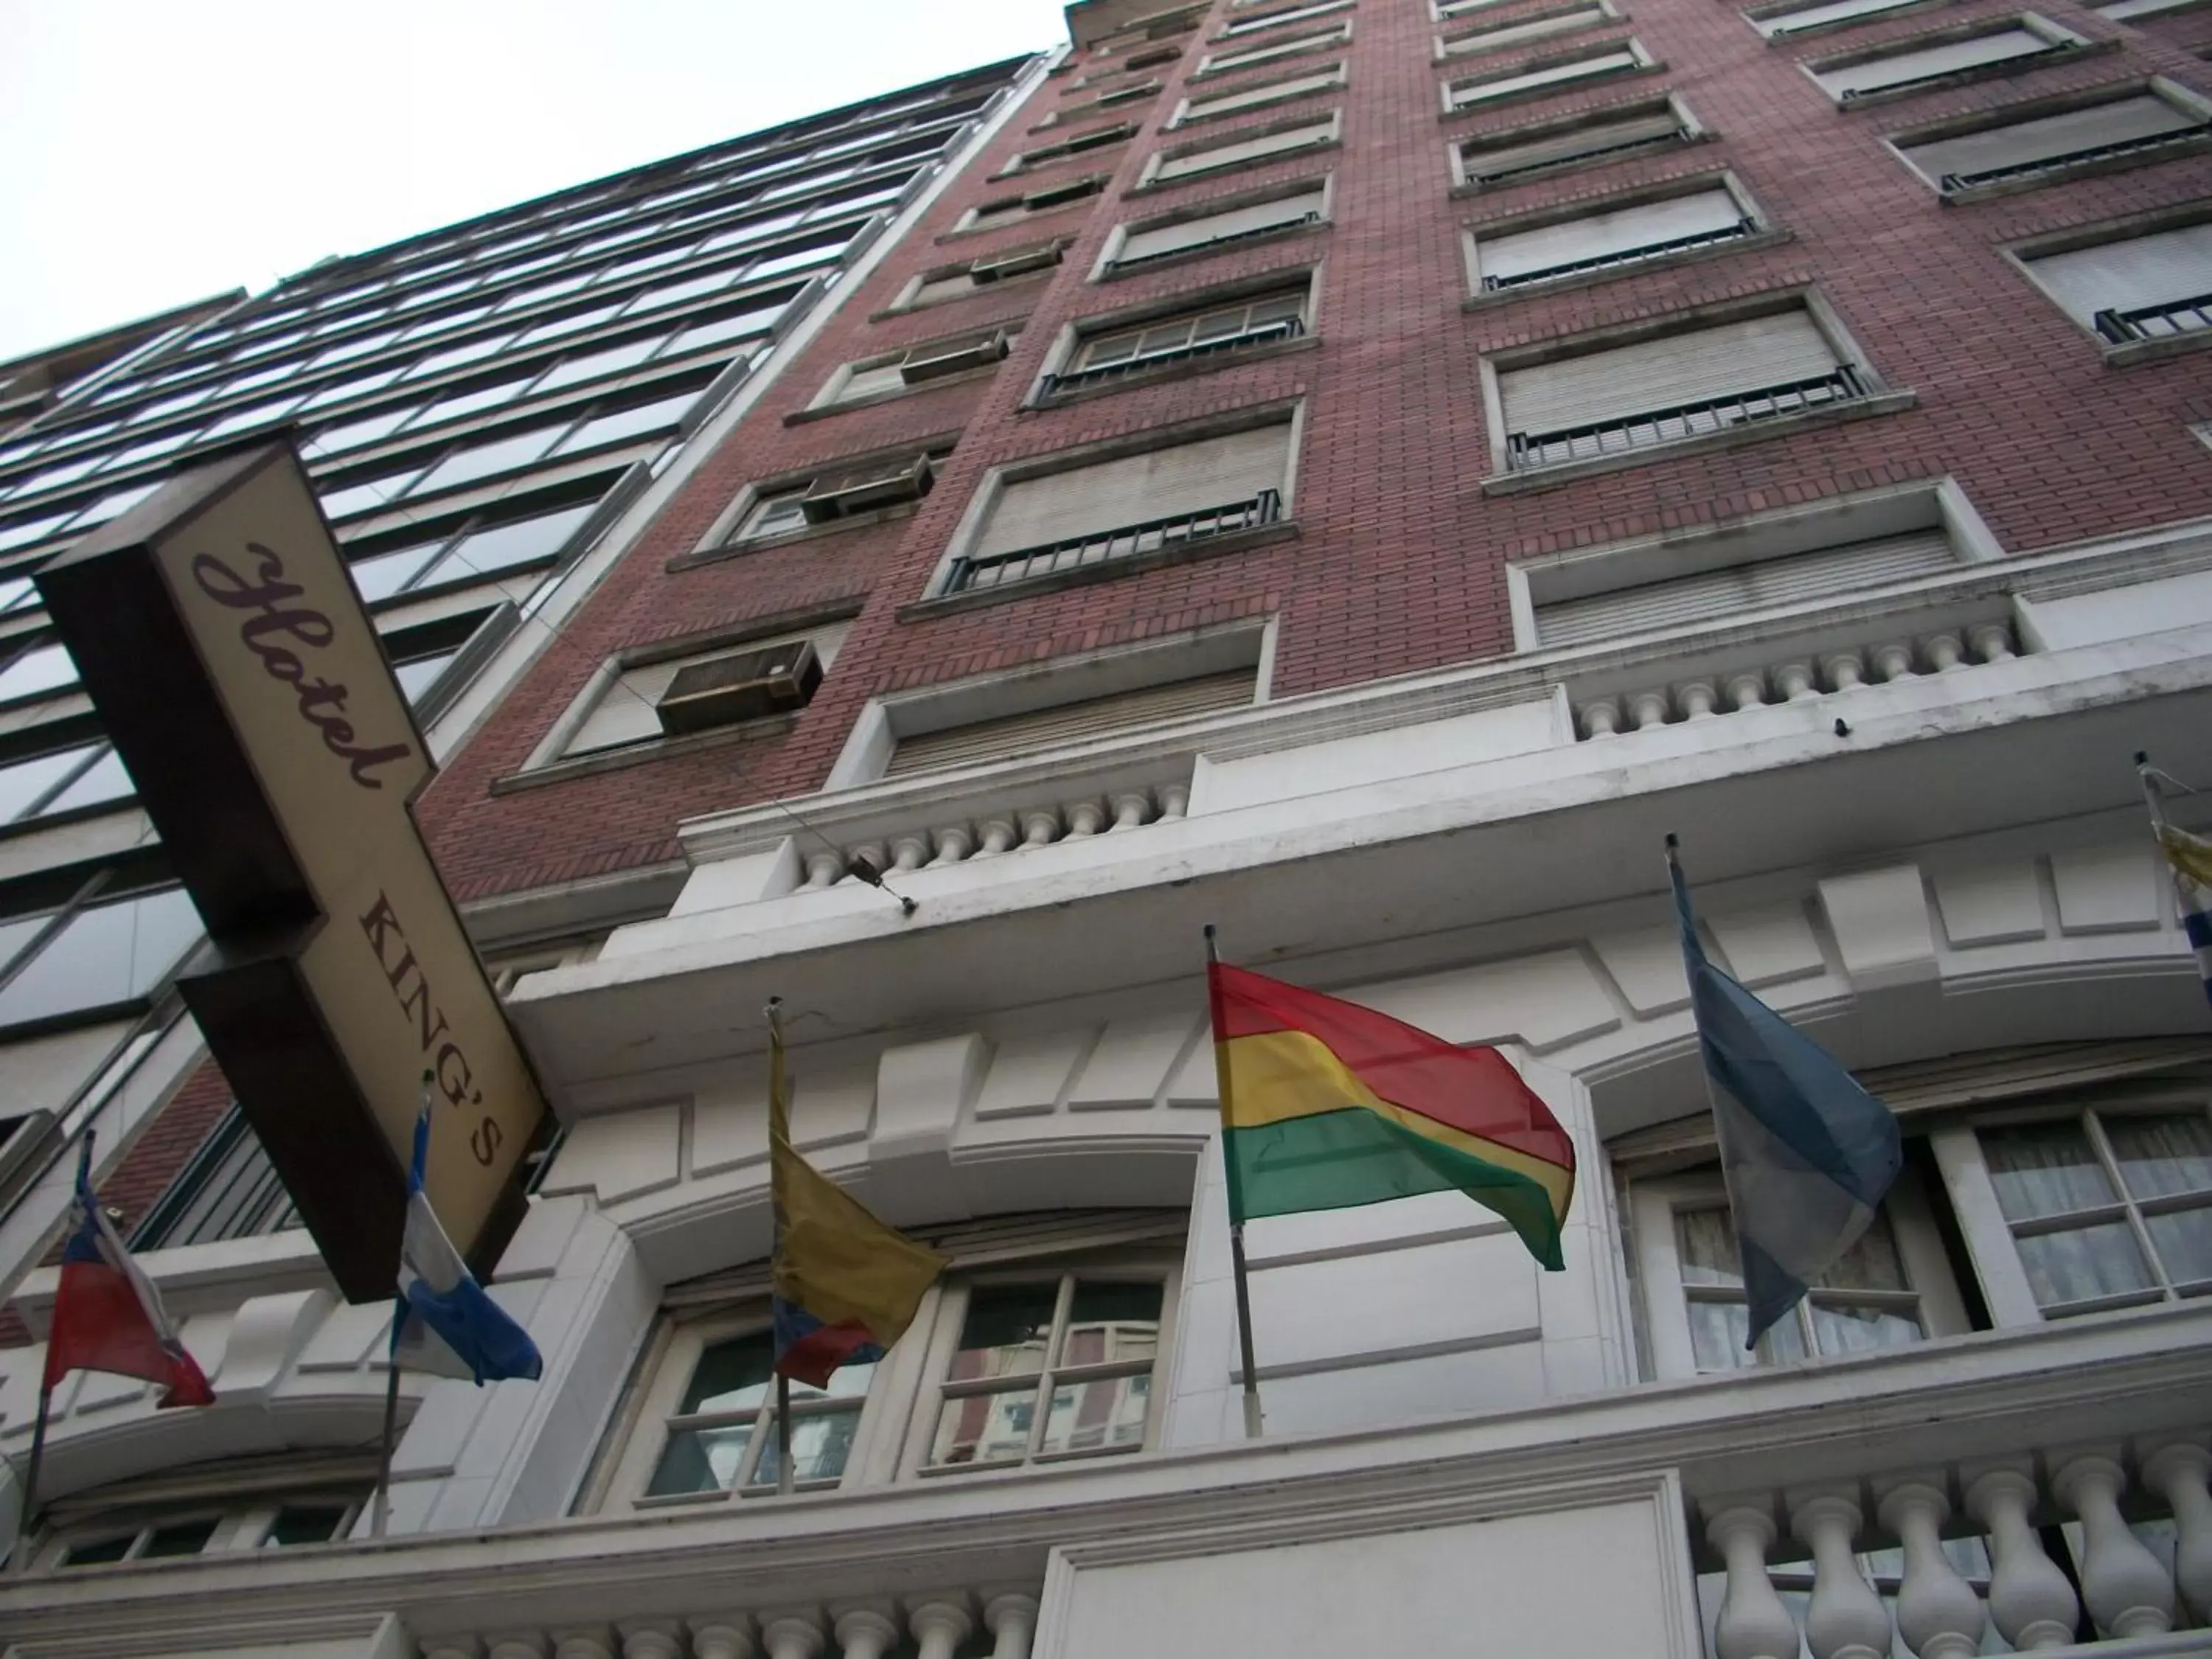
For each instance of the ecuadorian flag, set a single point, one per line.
(1326, 1105)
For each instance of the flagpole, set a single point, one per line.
(784, 1476)
(381, 1510)
(30, 1504)
(1234, 1182)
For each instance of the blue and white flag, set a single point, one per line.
(1807, 1152)
(445, 1323)
(2189, 861)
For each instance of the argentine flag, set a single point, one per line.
(1808, 1153)
(445, 1323)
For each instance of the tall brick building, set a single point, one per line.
(1359, 473)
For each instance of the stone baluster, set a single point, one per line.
(1754, 1623)
(1794, 681)
(652, 1638)
(1893, 661)
(2180, 1471)
(585, 1642)
(1697, 700)
(910, 851)
(449, 1647)
(940, 1622)
(824, 869)
(516, 1644)
(1131, 808)
(1647, 709)
(792, 1635)
(865, 1632)
(722, 1636)
(1992, 641)
(1601, 719)
(1746, 691)
(1084, 818)
(1846, 1620)
(1000, 834)
(2125, 1585)
(2030, 1600)
(1175, 801)
(1945, 652)
(1844, 671)
(1937, 1611)
(1011, 1620)
(954, 844)
(1040, 826)
(873, 852)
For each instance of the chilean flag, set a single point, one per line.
(107, 1315)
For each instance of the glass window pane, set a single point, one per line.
(635, 421)
(2164, 1155)
(179, 1537)
(983, 1428)
(109, 506)
(102, 781)
(470, 402)
(305, 1523)
(774, 515)
(820, 1444)
(22, 534)
(593, 364)
(350, 499)
(1871, 1264)
(353, 434)
(701, 1459)
(735, 327)
(1108, 1321)
(2184, 1242)
(467, 352)
(1717, 1334)
(1844, 1329)
(1005, 1331)
(497, 547)
(27, 780)
(732, 1375)
(44, 668)
(675, 292)
(383, 574)
(2045, 1169)
(554, 327)
(1093, 1416)
(481, 460)
(1706, 1241)
(107, 954)
(100, 1551)
(419, 674)
(2083, 1263)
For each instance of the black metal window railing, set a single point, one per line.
(2008, 63)
(1124, 261)
(1479, 175)
(1631, 256)
(1952, 183)
(2158, 322)
(1623, 433)
(1112, 546)
(1282, 328)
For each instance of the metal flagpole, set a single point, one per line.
(30, 1506)
(1235, 1183)
(381, 1510)
(779, 1125)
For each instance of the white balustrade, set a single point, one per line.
(2179, 1472)
(934, 1624)
(1011, 1617)
(1795, 680)
(2030, 1598)
(1753, 1623)
(998, 833)
(1938, 1613)
(2126, 1586)
(940, 1624)
(1845, 1618)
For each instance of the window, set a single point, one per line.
(1247, 150)
(1006, 210)
(1670, 386)
(1970, 53)
(1243, 57)
(1010, 737)
(1108, 356)
(1494, 159)
(37, 671)
(105, 957)
(266, 1508)
(1258, 96)
(985, 271)
(638, 702)
(1556, 249)
(509, 537)
(1781, 23)
(1541, 77)
(722, 1435)
(1537, 26)
(873, 378)
(2138, 125)
(1108, 513)
(62, 780)
(2144, 288)
(835, 495)
(228, 1190)
(1149, 241)
(1275, 20)
(1074, 144)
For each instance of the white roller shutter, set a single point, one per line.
(1164, 240)
(1160, 483)
(1244, 150)
(1277, 19)
(1660, 373)
(1017, 735)
(1512, 34)
(1603, 235)
(1468, 92)
(1223, 62)
(1812, 17)
(1926, 64)
(1485, 164)
(1274, 91)
(2143, 271)
(1716, 593)
(2025, 143)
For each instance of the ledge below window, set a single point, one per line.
(1757, 239)
(1188, 552)
(639, 754)
(1545, 477)
(1181, 369)
(2147, 351)
(812, 532)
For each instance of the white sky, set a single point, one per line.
(160, 150)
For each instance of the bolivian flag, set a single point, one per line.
(1326, 1104)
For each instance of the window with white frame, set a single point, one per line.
(2151, 286)
(1042, 727)
(1243, 57)
(888, 373)
(865, 488)
(1540, 149)
(1796, 18)
(984, 272)
(1238, 27)
(1074, 144)
(2149, 124)
(1535, 25)
(1189, 335)
(678, 694)
(1541, 77)
(722, 1436)
(1305, 84)
(1599, 238)
(1247, 149)
(1999, 46)
(1009, 210)
(215, 1509)
(1148, 242)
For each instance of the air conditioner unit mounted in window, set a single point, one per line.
(1015, 262)
(932, 362)
(745, 686)
(864, 489)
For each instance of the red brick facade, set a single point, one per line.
(1396, 561)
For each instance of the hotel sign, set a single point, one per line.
(221, 639)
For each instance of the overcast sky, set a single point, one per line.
(160, 150)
